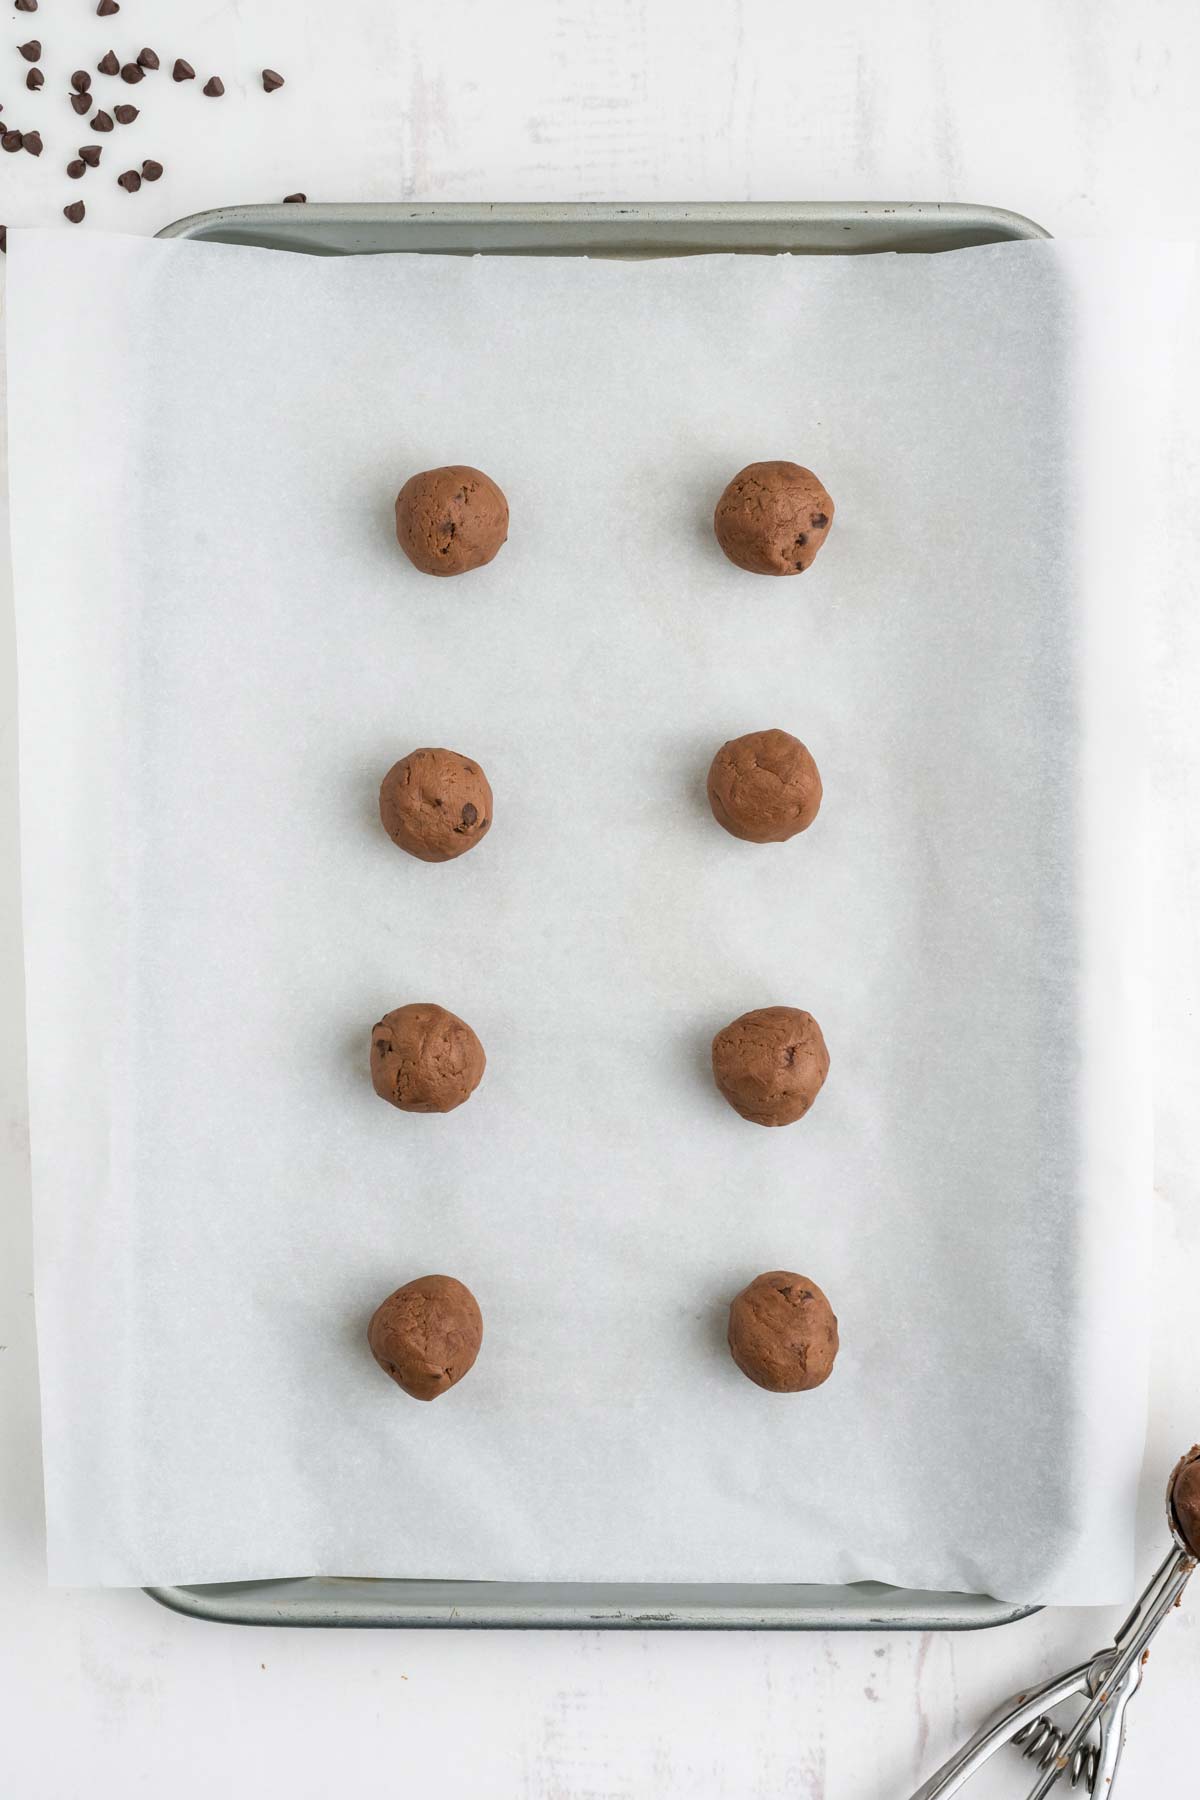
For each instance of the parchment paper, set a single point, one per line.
(222, 650)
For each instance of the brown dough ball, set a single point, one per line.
(771, 1064)
(435, 804)
(450, 520)
(764, 787)
(773, 518)
(427, 1334)
(1185, 1499)
(782, 1333)
(425, 1059)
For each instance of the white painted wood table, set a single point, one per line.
(1081, 113)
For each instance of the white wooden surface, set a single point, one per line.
(1079, 112)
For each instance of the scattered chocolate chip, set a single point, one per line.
(148, 59)
(819, 521)
(32, 51)
(131, 72)
(82, 103)
(151, 170)
(469, 814)
(3, 239)
(108, 64)
(35, 80)
(75, 211)
(106, 9)
(25, 5)
(102, 122)
(290, 199)
(125, 115)
(271, 80)
(81, 81)
(12, 140)
(76, 168)
(90, 154)
(183, 71)
(214, 87)
(131, 181)
(33, 142)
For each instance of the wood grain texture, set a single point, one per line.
(1080, 114)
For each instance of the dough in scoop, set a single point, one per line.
(1185, 1500)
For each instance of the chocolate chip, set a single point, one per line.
(469, 814)
(35, 80)
(3, 239)
(148, 59)
(271, 80)
(819, 521)
(25, 5)
(33, 142)
(76, 168)
(107, 8)
(12, 140)
(214, 87)
(32, 51)
(108, 64)
(802, 540)
(81, 81)
(90, 154)
(294, 199)
(183, 71)
(131, 72)
(75, 211)
(82, 103)
(131, 181)
(102, 122)
(125, 115)
(151, 170)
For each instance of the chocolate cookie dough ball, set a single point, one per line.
(435, 804)
(764, 787)
(773, 518)
(1185, 1499)
(425, 1059)
(450, 520)
(771, 1064)
(782, 1333)
(427, 1334)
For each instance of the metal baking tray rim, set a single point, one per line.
(539, 1606)
(627, 230)
(818, 227)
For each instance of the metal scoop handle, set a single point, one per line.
(1108, 1681)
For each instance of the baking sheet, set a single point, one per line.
(222, 650)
